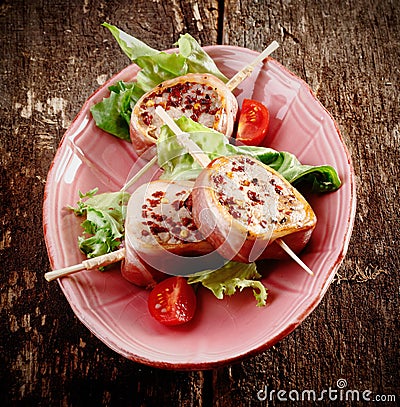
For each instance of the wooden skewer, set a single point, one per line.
(196, 152)
(294, 256)
(139, 173)
(183, 138)
(88, 264)
(247, 70)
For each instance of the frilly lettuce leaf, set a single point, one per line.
(159, 68)
(103, 228)
(231, 277)
(178, 164)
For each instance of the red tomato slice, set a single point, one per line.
(253, 123)
(172, 302)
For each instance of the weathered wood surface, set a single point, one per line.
(55, 54)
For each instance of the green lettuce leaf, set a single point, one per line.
(159, 68)
(175, 161)
(103, 228)
(113, 113)
(198, 60)
(178, 164)
(320, 178)
(191, 58)
(231, 277)
(131, 46)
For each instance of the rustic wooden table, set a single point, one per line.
(55, 54)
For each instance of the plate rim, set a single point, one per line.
(299, 318)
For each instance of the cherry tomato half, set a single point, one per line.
(172, 301)
(253, 123)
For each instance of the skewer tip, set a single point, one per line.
(294, 256)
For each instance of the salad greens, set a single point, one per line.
(232, 276)
(178, 164)
(113, 114)
(103, 228)
(158, 65)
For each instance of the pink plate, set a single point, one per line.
(222, 330)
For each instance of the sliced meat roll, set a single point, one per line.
(159, 230)
(138, 272)
(201, 97)
(241, 206)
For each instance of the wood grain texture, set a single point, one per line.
(55, 56)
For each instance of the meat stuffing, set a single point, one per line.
(201, 97)
(160, 232)
(241, 206)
